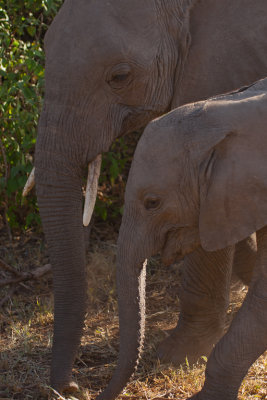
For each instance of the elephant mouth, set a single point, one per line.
(171, 259)
(177, 248)
(137, 118)
(179, 241)
(178, 257)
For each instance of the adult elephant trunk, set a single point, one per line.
(131, 276)
(59, 193)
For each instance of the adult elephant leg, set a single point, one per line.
(204, 298)
(245, 340)
(245, 259)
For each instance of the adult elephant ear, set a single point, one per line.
(233, 180)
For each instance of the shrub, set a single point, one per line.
(23, 24)
(22, 28)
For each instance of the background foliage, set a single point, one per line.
(23, 24)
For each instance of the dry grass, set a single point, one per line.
(26, 330)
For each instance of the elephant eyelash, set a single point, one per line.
(120, 77)
(151, 204)
(120, 81)
(179, 227)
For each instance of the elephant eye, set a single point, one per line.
(120, 76)
(151, 203)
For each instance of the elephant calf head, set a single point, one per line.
(190, 169)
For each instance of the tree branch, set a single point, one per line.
(8, 268)
(26, 276)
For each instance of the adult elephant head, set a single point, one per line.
(112, 66)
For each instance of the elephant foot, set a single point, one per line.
(68, 388)
(71, 387)
(211, 396)
(182, 348)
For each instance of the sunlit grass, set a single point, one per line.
(26, 337)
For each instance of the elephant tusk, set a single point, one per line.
(91, 189)
(29, 184)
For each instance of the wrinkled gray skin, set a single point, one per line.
(199, 177)
(112, 66)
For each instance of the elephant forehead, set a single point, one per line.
(158, 149)
(154, 177)
(159, 164)
(100, 28)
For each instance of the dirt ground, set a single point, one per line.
(26, 321)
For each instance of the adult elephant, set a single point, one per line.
(112, 66)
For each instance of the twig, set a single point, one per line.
(5, 160)
(10, 293)
(38, 35)
(26, 276)
(8, 268)
(9, 232)
(138, 398)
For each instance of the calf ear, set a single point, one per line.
(233, 195)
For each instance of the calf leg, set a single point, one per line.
(245, 259)
(204, 297)
(246, 339)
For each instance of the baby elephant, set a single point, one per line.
(198, 178)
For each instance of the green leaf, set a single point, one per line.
(31, 30)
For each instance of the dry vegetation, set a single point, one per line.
(26, 330)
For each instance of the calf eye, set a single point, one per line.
(151, 203)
